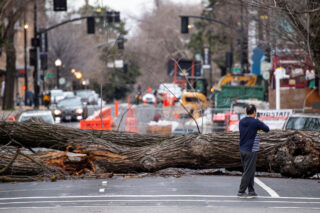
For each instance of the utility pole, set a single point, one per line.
(25, 63)
(241, 36)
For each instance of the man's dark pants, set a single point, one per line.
(248, 160)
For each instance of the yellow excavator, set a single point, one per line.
(196, 99)
(245, 80)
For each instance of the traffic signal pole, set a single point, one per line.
(37, 34)
(240, 31)
(37, 61)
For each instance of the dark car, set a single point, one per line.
(88, 96)
(71, 109)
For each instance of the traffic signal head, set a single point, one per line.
(268, 54)
(60, 5)
(120, 42)
(125, 68)
(109, 17)
(113, 17)
(229, 59)
(116, 17)
(91, 25)
(185, 24)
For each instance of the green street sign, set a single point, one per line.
(236, 70)
(48, 75)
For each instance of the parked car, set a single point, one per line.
(302, 121)
(88, 96)
(71, 109)
(45, 115)
(56, 95)
(170, 89)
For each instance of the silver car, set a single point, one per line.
(302, 121)
(45, 115)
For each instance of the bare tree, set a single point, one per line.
(296, 24)
(10, 12)
(158, 39)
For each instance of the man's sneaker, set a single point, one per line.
(252, 194)
(242, 195)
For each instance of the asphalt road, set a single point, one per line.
(160, 194)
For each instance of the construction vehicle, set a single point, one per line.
(250, 80)
(195, 99)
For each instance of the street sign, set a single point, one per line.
(206, 66)
(206, 58)
(118, 63)
(48, 75)
(236, 70)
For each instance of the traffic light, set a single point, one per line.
(125, 68)
(44, 61)
(113, 17)
(229, 59)
(244, 50)
(116, 17)
(268, 54)
(35, 42)
(91, 25)
(32, 55)
(60, 5)
(184, 24)
(109, 17)
(120, 42)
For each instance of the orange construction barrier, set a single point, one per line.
(95, 121)
(96, 124)
(116, 106)
(131, 121)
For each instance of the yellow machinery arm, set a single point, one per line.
(251, 80)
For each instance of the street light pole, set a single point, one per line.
(25, 66)
(58, 63)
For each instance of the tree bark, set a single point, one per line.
(11, 73)
(291, 153)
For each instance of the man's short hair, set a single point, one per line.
(251, 109)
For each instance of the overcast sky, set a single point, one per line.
(129, 9)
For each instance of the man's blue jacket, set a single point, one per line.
(249, 133)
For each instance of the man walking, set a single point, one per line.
(249, 146)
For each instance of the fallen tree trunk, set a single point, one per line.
(293, 153)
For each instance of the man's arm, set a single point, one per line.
(262, 126)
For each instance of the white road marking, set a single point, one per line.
(101, 190)
(283, 207)
(104, 183)
(108, 206)
(151, 196)
(270, 191)
(161, 200)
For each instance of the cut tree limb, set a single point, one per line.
(291, 153)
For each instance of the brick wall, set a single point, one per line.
(289, 98)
